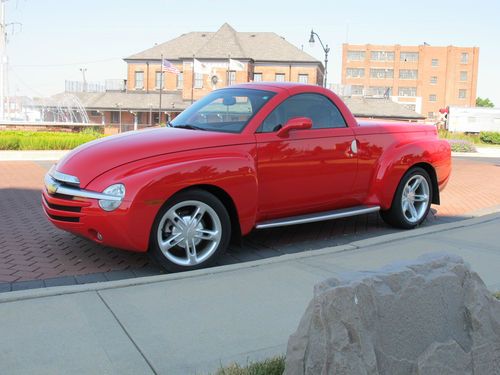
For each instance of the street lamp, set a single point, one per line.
(326, 49)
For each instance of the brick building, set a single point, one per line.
(260, 56)
(424, 78)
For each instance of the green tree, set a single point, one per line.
(486, 102)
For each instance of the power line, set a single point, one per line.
(66, 64)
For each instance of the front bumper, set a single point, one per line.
(77, 211)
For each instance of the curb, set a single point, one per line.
(36, 155)
(475, 155)
(388, 238)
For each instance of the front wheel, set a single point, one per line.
(412, 200)
(191, 231)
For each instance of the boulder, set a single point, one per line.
(430, 316)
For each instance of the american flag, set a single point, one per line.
(169, 67)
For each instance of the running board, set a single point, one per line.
(319, 216)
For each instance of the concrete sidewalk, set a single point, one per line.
(192, 323)
(481, 152)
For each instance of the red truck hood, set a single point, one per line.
(97, 157)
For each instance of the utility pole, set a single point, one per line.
(3, 59)
(84, 70)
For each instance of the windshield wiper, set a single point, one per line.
(189, 126)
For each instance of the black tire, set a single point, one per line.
(215, 219)
(396, 215)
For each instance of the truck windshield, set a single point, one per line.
(226, 110)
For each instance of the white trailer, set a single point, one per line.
(473, 119)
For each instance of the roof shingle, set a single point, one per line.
(225, 42)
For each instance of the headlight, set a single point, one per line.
(116, 190)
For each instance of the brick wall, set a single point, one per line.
(436, 93)
(268, 70)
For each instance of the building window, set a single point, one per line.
(355, 73)
(180, 81)
(279, 77)
(407, 91)
(382, 56)
(158, 80)
(257, 77)
(356, 90)
(434, 80)
(435, 62)
(380, 91)
(95, 113)
(463, 76)
(355, 55)
(138, 117)
(139, 80)
(115, 117)
(408, 56)
(464, 58)
(232, 77)
(408, 74)
(303, 78)
(198, 80)
(430, 115)
(462, 94)
(382, 73)
(432, 97)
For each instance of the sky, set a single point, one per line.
(58, 38)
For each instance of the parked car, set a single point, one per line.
(247, 157)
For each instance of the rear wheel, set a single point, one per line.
(191, 231)
(412, 200)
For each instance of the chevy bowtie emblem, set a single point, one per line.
(51, 188)
(51, 185)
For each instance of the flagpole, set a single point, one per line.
(161, 88)
(192, 83)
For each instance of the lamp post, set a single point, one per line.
(326, 49)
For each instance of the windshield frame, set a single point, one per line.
(201, 103)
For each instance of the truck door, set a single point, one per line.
(308, 170)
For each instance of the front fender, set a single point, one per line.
(398, 159)
(151, 182)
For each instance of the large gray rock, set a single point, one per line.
(431, 316)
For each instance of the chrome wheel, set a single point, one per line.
(415, 198)
(189, 233)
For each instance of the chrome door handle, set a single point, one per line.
(354, 147)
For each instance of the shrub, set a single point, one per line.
(273, 366)
(458, 145)
(27, 140)
(472, 138)
(490, 137)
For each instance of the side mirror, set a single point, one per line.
(229, 100)
(296, 123)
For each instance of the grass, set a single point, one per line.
(471, 138)
(272, 366)
(464, 142)
(497, 295)
(28, 140)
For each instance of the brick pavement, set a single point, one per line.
(33, 253)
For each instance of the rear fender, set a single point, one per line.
(434, 156)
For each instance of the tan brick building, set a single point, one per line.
(424, 78)
(264, 56)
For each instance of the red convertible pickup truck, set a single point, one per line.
(251, 156)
